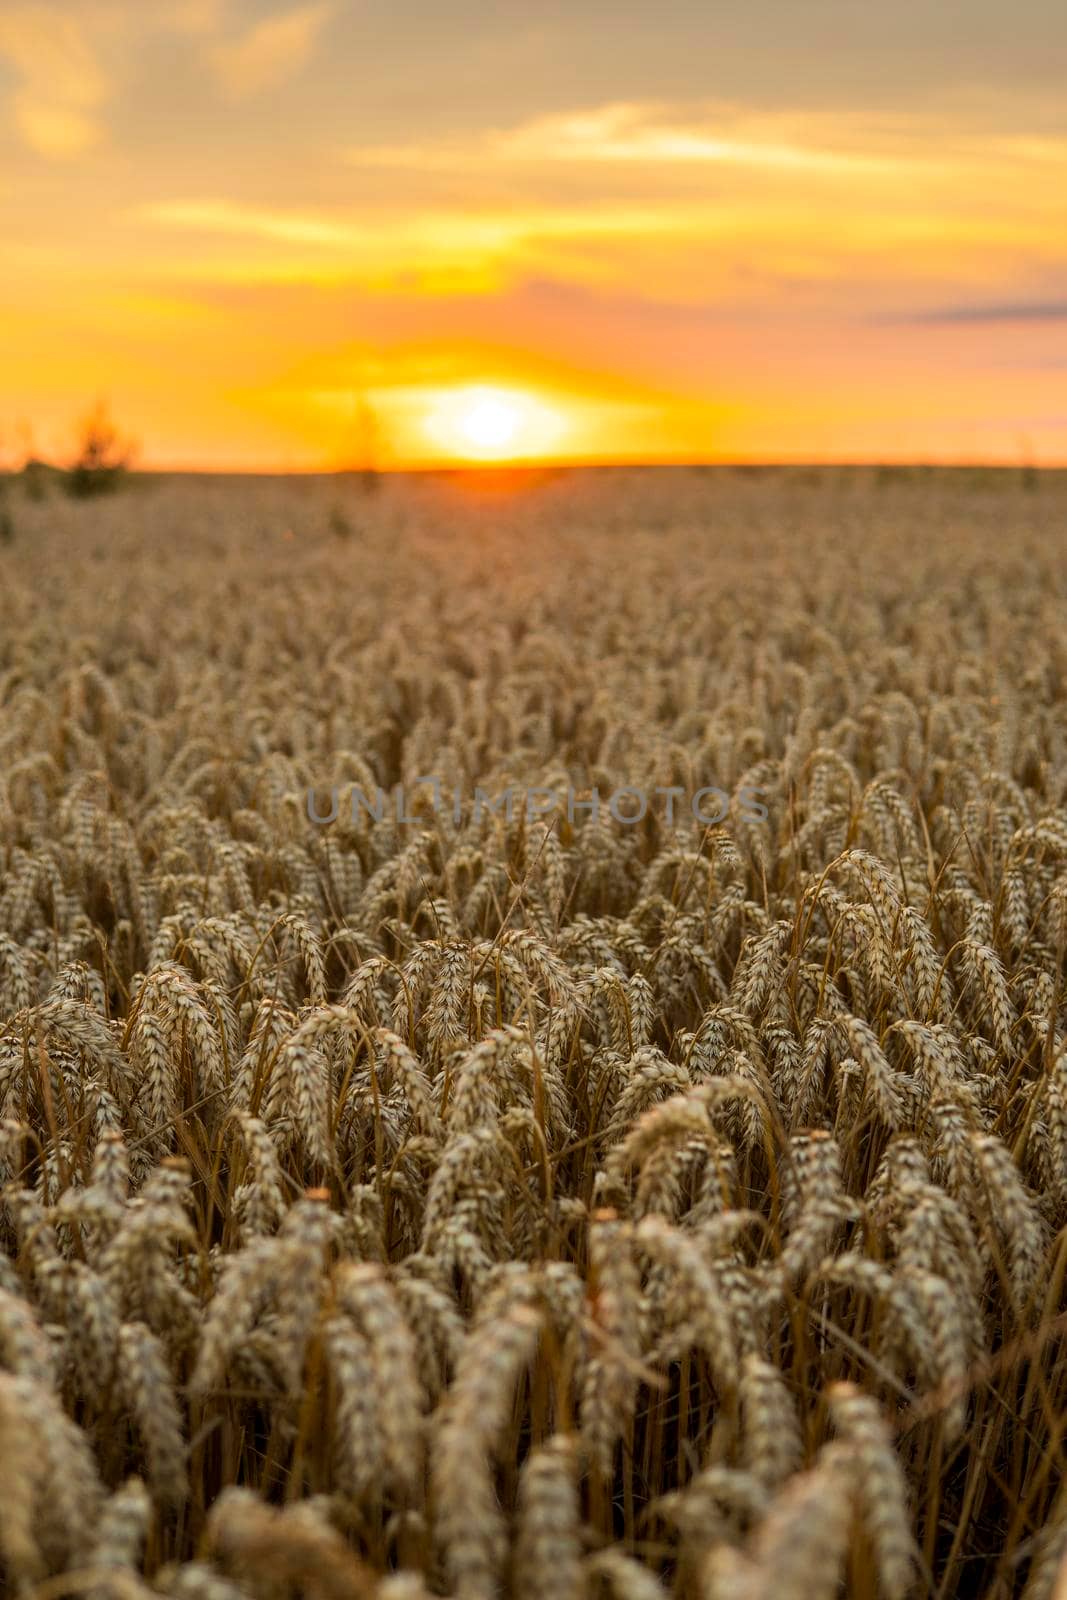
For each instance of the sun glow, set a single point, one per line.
(489, 423)
(485, 423)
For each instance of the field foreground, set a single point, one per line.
(555, 1205)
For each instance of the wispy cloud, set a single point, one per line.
(251, 222)
(61, 85)
(432, 231)
(269, 51)
(657, 135)
(996, 311)
(643, 134)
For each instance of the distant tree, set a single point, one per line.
(103, 460)
(36, 475)
(7, 526)
(33, 474)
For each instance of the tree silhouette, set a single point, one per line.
(102, 459)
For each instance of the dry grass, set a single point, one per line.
(487, 1209)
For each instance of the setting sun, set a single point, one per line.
(484, 423)
(489, 423)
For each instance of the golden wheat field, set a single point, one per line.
(457, 1203)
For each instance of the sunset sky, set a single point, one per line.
(763, 230)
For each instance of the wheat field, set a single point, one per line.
(548, 1206)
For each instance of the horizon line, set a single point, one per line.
(530, 466)
(591, 464)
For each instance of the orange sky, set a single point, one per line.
(579, 232)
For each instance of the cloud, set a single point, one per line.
(650, 134)
(646, 134)
(270, 50)
(61, 84)
(432, 233)
(997, 311)
(251, 222)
